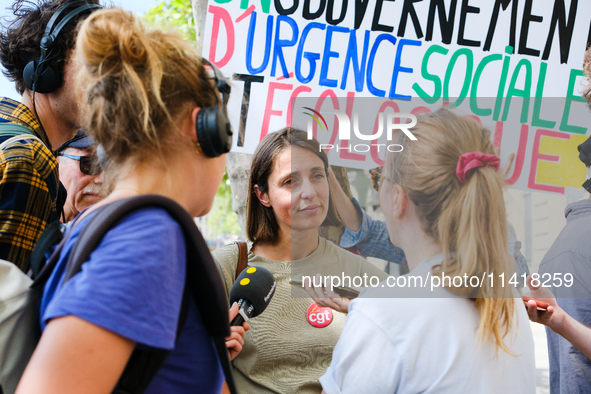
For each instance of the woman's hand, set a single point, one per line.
(235, 341)
(328, 298)
(553, 317)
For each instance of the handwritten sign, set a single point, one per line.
(515, 66)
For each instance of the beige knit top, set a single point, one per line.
(283, 352)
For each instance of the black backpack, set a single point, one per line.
(203, 283)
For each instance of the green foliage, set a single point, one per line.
(222, 220)
(173, 15)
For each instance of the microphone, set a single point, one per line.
(253, 290)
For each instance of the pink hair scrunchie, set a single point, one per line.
(472, 160)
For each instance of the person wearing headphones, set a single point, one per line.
(35, 51)
(80, 174)
(156, 113)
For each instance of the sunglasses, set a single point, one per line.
(88, 164)
(376, 175)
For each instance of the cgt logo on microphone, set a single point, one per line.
(319, 316)
(344, 124)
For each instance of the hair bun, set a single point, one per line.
(111, 38)
(137, 86)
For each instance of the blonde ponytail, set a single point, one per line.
(467, 220)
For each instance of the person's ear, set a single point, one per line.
(400, 201)
(263, 197)
(191, 126)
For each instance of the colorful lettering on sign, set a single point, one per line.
(524, 84)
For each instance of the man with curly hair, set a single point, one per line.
(35, 49)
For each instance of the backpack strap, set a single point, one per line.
(8, 129)
(242, 258)
(46, 269)
(50, 236)
(203, 282)
(49, 266)
(17, 138)
(15, 132)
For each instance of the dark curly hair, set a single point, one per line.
(20, 37)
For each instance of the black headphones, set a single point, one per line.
(214, 131)
(39, 76)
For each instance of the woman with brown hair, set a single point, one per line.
(290, 344)
(442, 198)
(142, 93)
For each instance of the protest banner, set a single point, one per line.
(515, 66)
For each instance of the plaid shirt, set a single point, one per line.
(29, 186)
(372, 240)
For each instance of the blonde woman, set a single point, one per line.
(442, 198)
(142, 93)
